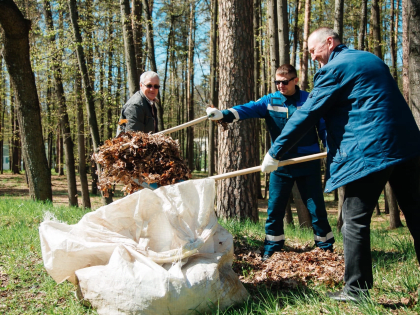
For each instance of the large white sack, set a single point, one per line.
(152, 252)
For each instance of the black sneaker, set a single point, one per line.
(266, 257)
(347, 296)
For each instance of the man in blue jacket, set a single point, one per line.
(372, 138)
(277, 108)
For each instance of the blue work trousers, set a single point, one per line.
(360, 199)
(310, 189)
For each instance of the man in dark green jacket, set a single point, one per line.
(372, 138)
(139, 113)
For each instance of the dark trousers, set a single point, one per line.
(360, 199)
(310, 188)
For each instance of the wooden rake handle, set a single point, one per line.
(183, 126)
(281, 163)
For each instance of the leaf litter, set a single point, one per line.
(136, 157)
(290, 268)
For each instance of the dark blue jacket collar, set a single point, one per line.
(336, 51)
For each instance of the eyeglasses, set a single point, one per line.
(285, 82)
(149, 86)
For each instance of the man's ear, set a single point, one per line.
(297, 80)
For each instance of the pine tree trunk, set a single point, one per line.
(16, 55)
(393, 44)
(274, 40)
(394, 212)
(283, 31)
(341, 192)
(305, 54)
(295, 33)
(130, 55)
(362, 26)
(62, 110)
(190, 87)
(213, 86)
(376, 28)
(237, 197)
(288, 217)
(136, 20)
(405, 44)
(302, 212)
(81, 145)
(414, 58)
(338, 18)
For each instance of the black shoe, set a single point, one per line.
(347, 297)
(266, 256)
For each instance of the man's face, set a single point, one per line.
(320, 50)
(289, 88)
(148, 87)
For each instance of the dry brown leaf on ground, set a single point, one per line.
(289, 269)
(136, 157)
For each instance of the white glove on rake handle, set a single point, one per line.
(214, 113)
(269, 164)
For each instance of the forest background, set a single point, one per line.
(87, 57)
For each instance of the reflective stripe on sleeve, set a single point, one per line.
(279, 109)
(273, 238)
(235, 113)
(329, 236)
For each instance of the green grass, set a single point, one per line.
(26, 288)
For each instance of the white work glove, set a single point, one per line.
(269, 164)
(214, 113)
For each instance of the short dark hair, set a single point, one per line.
(286, 69)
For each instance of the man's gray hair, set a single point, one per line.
(148, 75)
(323, 32)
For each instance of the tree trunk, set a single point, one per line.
(237, 197)
(304, 69)
(88, 89)
(274, 40)
(16, 55)
(376, 28)
(213, 86)
(130, 55)
(190, 87)
(363, 24)
(341, 193)
(283, 31)
(81, 145)
(136, 20)
(414, 58)
(305, 220)
(394, 212)
(405, 44)
(338, 18)
(393, 44)
(288, 217)
(295, 33)
(62, 110)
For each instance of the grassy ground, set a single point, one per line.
(26, 288)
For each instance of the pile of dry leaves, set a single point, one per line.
(136, 157)
(290, 268)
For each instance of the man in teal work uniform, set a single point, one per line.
(276, 109)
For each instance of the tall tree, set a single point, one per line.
(362, 25)
(213, 85)
(130, 55)
(295, 32)
(274, 39)
(136, 20)
(16, 55)
(376, 28)
(405, 45)
(305, 54)
(283, 30)
(190, 86)
(393, 43)
(414, 57)
(87, 87)
(339, 18)
(237, 197)
(62, 109)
